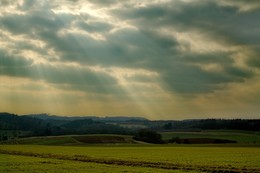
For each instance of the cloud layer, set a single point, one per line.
(170, 54)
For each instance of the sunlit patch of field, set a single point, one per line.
(155, 158)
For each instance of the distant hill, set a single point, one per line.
(35, 126)
(209, 124)
(47, 125)
(95, 118)
(55, 117)
(14, 122)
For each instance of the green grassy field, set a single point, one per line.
(138, 158)
(118, 153)
(18, 164)
(245, 137)
(72, 140)
(242, 137)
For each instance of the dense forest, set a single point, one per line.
(46, 125)
(212, 124)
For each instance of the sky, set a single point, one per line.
(159, 59)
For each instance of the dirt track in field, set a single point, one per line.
(160, 165)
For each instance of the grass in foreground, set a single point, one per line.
(17, 164)
(152, 158)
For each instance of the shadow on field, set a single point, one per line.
(200, 141)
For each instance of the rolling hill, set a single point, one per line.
(72, 140)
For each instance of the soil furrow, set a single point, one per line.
(160, 165)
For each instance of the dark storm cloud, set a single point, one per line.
(254, 60)
(124, 48)
(103, 3)
(225, 22)
(222, 58)
(34, 23)
(75, 78)
(190, 79)
(141, 78)
(94, 26)
(238, 72)
(9, 61)
(61, 76)
(142, 46)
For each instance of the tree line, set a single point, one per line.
(213, 124)
(147, 132)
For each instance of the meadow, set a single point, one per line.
(120, 153)
(240, 136)
(129, 158)
(17, 164)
